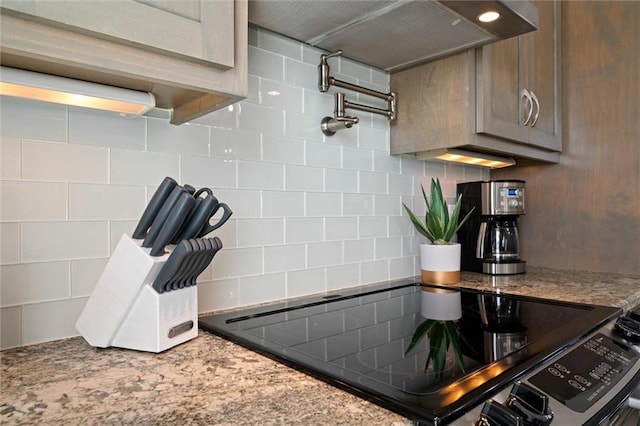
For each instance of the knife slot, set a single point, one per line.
(180, 328)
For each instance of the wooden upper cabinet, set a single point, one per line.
(519, 84)
(191, 54)
(475, 100)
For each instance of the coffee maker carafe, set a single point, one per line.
(489, 239)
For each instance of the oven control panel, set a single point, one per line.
(574, 387)
(583, 376)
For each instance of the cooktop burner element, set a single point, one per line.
(427, 352)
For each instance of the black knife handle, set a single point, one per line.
(225, 216)
(174, 221)
(162, 215)
(171, 266)
(154, 206)
(206, 207)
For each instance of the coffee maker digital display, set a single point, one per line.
(489, 239)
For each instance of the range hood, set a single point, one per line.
(394, 35)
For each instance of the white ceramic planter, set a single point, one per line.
(440, 304)
(440, 264)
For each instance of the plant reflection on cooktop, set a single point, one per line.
(361, 340)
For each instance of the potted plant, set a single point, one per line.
(439, 260)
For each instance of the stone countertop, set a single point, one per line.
(209, 380)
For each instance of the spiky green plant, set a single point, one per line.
(438, 226)
(442, 334)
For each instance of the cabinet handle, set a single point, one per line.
(537, 105)
(525, 94)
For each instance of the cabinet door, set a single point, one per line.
(500, 78)
(541, 62)
(192, 30)
(529, 62)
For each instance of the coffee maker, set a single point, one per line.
(489, 239)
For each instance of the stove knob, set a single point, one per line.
(495, 414)
(531, 404)
(628, 328)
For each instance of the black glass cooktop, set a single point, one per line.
(466, 344)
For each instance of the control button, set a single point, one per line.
(531, 404)
(554, 372)
(561, 368)
(495, 414)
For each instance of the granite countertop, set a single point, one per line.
(209, 380)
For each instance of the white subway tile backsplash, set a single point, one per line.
(357, 204)
(105, 202)
(303, 178)
(258, 118)
(371, 182)
(130, 167)
(260, 175)
(217, 295)
(338, 180)
(64, 163)
(400, 184)
(388, 248)
(342, 276)
(341, 228)
(357, 159)
(383, 162)
(374, 226)
(47, 241)
(373, 138)
(93, 127)
(301, 126)
(163, 136)
(85, 275)
(306, 281)
(9, 158)
(260, 232)
(282, 150)
(324, 254)
(33, 201)
(278, 95)
(282, 204)
(310, 212)
(262, 288)
(244, 203)
(387, 205)
(358, 250)
(10, 327)
(374, 271)
(51, 320)
(9, 243)
(35, 282)
(265, 64)
(234, 144)
(301, 74)
(356, 70)
(284, 258)
(278, 44)
(301, 230)
(238, 262)
(322, 154)
(208, 172)
(27, 119)
(323, 204)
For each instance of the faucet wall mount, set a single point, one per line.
(330, 125)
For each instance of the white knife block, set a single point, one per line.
(125, 311)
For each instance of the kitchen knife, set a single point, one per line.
(225, 216)
(162, 215)
(174, 221)
(171, 266)
(154, 206)
(205, 208)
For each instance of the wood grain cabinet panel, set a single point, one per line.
(475, 99)
(192, 54)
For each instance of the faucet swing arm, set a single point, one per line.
(340, 120)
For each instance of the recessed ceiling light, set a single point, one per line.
(489, 16)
